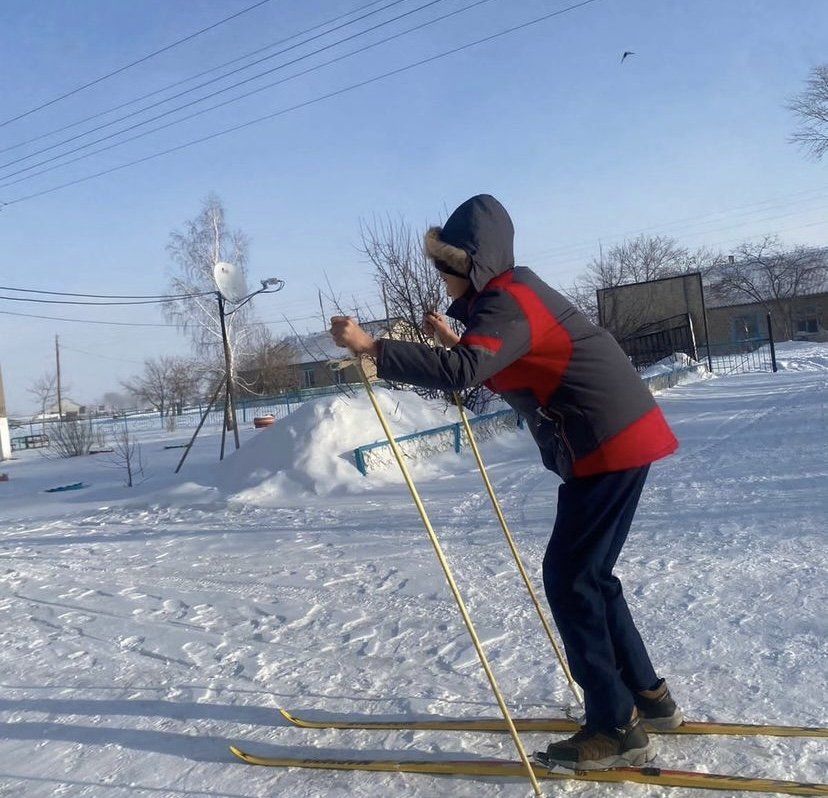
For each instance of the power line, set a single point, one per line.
(199, 86)
(742, 210)
(186, 80)
(85, 321)
(209, 96)
(119, 359)
(78, 302)
(573, 258)
(161, 297)
(132, 64)
(128, 323)
(310, 102)
(225, 102)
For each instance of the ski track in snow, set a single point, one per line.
(138, 641)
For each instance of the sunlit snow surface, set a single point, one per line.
(145, 629)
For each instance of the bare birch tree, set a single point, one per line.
(811, 106)
(127, 456)
(205, 241)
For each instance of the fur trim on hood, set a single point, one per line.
(476, 241)
(457, 260)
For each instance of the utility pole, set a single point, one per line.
(229, 400)
(57, 362)
(322, 310)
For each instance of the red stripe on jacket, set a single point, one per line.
(543, 368)
(643, 442)
(483, 342)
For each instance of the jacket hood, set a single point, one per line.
(477, 240)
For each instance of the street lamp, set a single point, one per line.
(232, 288)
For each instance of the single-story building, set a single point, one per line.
(802, 318)
(314, 361)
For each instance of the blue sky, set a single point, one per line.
(688, 138)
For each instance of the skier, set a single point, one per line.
(597, 426)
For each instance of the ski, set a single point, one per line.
(514, 769)
(563, 725)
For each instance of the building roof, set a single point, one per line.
(712, 301)
(814, 283)
(319, 347)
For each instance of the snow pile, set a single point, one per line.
(802, 356)
(311, 451)
(675, 362)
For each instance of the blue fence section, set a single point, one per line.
(444, 438)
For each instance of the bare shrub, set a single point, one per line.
(73, 439)
(127, 456)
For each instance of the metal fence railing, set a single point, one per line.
(659, 341)
(433, 441)
(757, 354)
(729, 357)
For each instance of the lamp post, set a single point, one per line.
(269, 286)
(231, 288)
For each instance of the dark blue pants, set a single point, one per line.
(606, 654)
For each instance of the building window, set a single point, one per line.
(807, 320)
(339, 376)
(745, 327)
(308, 378)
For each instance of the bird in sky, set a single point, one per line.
(626, 53)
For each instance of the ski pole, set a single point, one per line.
(450, 579)
(510, 540)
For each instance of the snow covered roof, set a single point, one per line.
(712, 299)
(319, 346)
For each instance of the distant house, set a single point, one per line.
(654, 319)
(681, 314)
(314, 361)
(317, 359)
(69, 410)
(803, 318)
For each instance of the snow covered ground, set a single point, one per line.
(145, 629)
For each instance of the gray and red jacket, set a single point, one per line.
(586, 407)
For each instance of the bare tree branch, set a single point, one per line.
(167, 384)
(410, 287)
(769, 274)
(811, 106)
(638, 260)
(44, 389)
(205, 241)
(268, 366)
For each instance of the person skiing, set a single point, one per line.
(596, 425)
